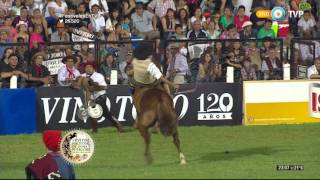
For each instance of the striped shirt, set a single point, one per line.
(6, 6)
(161, 6)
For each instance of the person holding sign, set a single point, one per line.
(68, 72)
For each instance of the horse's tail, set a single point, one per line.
(167, 116)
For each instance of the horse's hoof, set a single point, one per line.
(149, 160)
(183, 162)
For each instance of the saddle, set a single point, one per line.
(139, 92)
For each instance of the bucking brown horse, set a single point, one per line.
(155, 105)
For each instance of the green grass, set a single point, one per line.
(254, 152)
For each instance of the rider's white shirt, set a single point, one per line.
(98, 78)
(154, 71)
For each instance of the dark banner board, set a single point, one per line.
(201, 104)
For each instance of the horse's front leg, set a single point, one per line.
(176, 142)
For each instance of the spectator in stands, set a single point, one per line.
(84, 51)
(197, 32)
(5, 5)
(314, 70)
(79, 61)
(87, 59)
(37, 37)
(144, 23)
(267, 42)
(307, 24)
(108, 64)
(82, 11)
(271, 65)
(247, 71)
(179, 33)
(178, 65)
(192, 5)
(12, 69)
(38, 19)
(238, 51)
(39, 4)
(67, 73)
(125, 24)
(218, 52)
(60, 35)
(253, 53)
(98, 22)
(182, 4)
(160, 8)
(198, 17)
(38, 74)
(55, 9)
(2, 16)
(227, 19)
(247, 32)
(52, 165)
(230, 33)
(22, 52)
(168, 24)
(112, 20)
(208, 6)
(103, 10)
(25, 18)
(15, 10)
(5, 58)
(212, 32)
(3, 39)
(7, 26)
(22, 31)
(235, 59)
(266, 31)
(241, 18)
(30, 5)
(183, 20)
(208, 70)
(128, 7)
(114, 36)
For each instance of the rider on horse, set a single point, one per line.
(143, 72)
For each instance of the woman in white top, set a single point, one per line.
(198, 16)
(183, 20)
(212, 32)
(55, 10)
(112, 21)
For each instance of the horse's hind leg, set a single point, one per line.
(147, 139)
(176, 142)
(143, 127)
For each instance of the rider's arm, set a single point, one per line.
(156, 73)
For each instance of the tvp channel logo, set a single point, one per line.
(278, 14)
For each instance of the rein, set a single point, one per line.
(187, 91)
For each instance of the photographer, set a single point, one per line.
(235, 59)
(97, 88)
(209, 70)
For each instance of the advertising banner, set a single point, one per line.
(281, 102)
(209, 104)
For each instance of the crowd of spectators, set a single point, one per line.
(37, 22)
